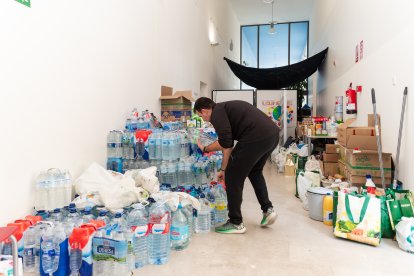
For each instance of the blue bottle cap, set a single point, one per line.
(72, 210)
(118, 215)
(103, 212)
(72, 205)
(57, 210)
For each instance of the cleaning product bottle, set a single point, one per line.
(370, 185)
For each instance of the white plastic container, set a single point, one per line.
(315, 198)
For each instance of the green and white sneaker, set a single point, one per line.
(269, 217)
(230, 228)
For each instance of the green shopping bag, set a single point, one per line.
(400, 206)
(387, 231)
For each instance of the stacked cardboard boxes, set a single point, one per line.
(358, 154)
(177, 106)
(330, 160)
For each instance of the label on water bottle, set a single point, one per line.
(113, 145)
(105, 249)
(159, 228)
(221, 207)
(29, 252)
(179, 233)
(140, 231)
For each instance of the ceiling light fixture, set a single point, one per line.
(268, 1)
(272, 29)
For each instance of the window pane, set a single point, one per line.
(273, 48)
(298, 42)
(249, 49)
(249, 46)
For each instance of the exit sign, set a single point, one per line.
(24, 2)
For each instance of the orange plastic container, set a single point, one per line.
(328, 210)
(34, 219)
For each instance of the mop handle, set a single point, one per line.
(377, 134)
(397, 159)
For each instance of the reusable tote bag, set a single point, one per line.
(358, 218)
(400, 206)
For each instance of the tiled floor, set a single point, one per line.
(295, 245)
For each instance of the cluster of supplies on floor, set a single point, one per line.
(157, 191)
(349, 186)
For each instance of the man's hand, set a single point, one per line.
(200, 146)
(220, 176)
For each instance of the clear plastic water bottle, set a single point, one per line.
(221, 204)
(87, 215)
(103, 216)
(158, 146)
(211, 198)
(172, 174)
(203, 220)
(152, 154)
(189, 213)
(75, 259)
(114, 151)
(138, 223)
(56, 216)
(181, 179)
(159, 238)
(119, 222)
(73, 217)
(179, 230)
(189, 175)
(30, 252)
(99, 265)
(166, 146)
(128, 145)
(68, 187)
(164, 173)
(198, 173)
(50, 252)
(120, 267)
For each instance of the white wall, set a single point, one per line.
(386, 29)
(71, 70)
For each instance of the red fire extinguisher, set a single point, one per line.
(351, 103)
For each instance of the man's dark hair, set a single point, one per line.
(203, 103)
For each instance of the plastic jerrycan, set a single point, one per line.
(81, 238)
(33, 219)
(328, 210)
(18, 234)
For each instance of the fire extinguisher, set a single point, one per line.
(351, 103)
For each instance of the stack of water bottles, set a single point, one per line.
(53, 189)
(67, 240)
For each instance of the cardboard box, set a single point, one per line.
(177, 106)
(342, 153)
(330, 157)
(290, 170)
(330, 169)
(375, 172)
(342, 168)
(358, 137)
(332, 148)
(367, 159)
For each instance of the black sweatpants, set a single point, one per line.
(248, 160)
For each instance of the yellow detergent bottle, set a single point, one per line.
(327, 209)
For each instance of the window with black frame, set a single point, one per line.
(261, 47)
